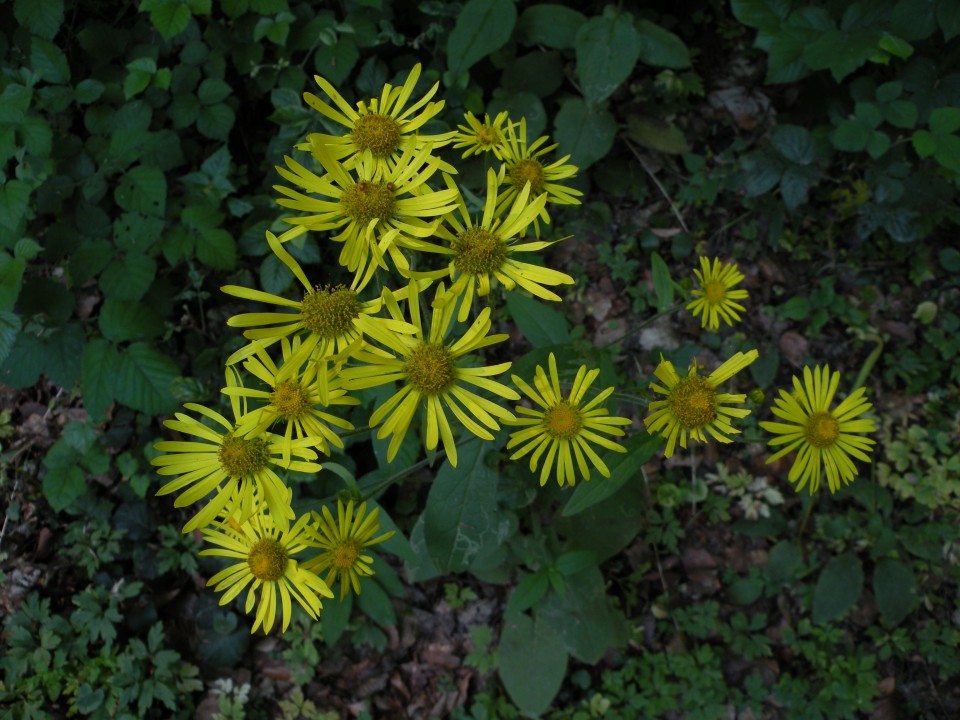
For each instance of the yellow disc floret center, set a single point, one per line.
(715, 292)
(527, 170)
(477, 251)
(290, 400)
(366, 201)
(430, 369)
(380, 134)
(242, 457)
(329, 312)
(821, 430)
(343, 557)
(267, 560)
(562, 421)
(693, 401)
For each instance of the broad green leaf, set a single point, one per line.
(42, 18)
(657, 134)
(88, 91)
(901, 114)
(784, 560)
(520, 104)
(533, 663)
(745, 591)
(482, 27)
(375, 603)
(895, 589)
(334, 62)
(795, 143)
(9, 329)
(44, 297)
(851, 135)
(461, 514)
(36, 135)
(14, 199)
(539, 323)
(608, 526)
(212, 91)
(168, 16)
(527, 593)
(945, 120)
(838, 588)
(762, 14)
(89, 259)
(122, 321)
(64, 480)
(924, 143)
(143, 378)
(607, 49)
(99, 371)
(129, 277)
(948, 18)
(586, 133)
(662, 284)
(24, 362)
(841, 52)
(63, 358)
(215, 121)
(570, 563)
(948, 152)
(552, 25)
(11, 279)
(624, 468)
(660, 47)
(48, 61)
(217, 249)
(537, 72)
(794, 185)
(142, 189)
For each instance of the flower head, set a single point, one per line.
(823, 436)
(382, 129)
(488, 248)
(715, 297)
(693, 404)
(329, 318)
(433, 375)
(377, 213)
(265, 554)
(482, 137)
(564, 426)
(343, 541)
(232, 466)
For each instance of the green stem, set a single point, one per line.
(645, 323)
(869, 362)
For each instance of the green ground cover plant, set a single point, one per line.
(767, 187)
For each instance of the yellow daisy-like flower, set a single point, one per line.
(229, 464)
(267, 565)
(332, 317)
(715, 297)
(429, 368)
(824, 437)
(376, 217)
(382, 129)
(564, 427)
(482, 137)
(484, 249)
(295, 395)
(524, 163)
(693, 404)
(343, 541)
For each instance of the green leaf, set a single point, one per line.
(745, 591)
(948, 18)
(42, 296)
(662, 284)
(217, 249)
(9, 329)
(895, 589)
(656, 134)
(948, 152)
(795, 143)
(533, 663)
(48, 61)
(168, 16)
(841, 52)
(62, 485)
(520, 104)
(586, 133)
(851, 135)
(63, 353)
(527, 593)
(540, 324)
(37, 135)
(901, 114)
(794, 185)
(583, 618)
(213, 91)
(482, 27)
(215, 121)
(760, 13)
(100, 362)
(122, 321)
(878, 144)
(142, 189)
(945, 120)
(88, 699)
(608, 526)
(129, 277)
(88, 91)
(41, 18)
(950, 259)
(784, 560)
(607, 49)
(11, 279)
(461, 514)
(14, 200)
(570, 563)
(554, 26)
(896, 46)
(89, 259)
(143, 378)
(624, 468)
(924, 143)
(375, 602)
(796, 308)
(334, 62)
(838, 588)
(660, 47)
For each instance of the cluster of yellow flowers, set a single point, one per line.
(395, 206)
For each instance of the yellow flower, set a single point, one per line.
(332, 317)
(715, 297)
(294, 397)
(377, 214)
(484, 249)
(382, 129)
(481, 137)
(343, 541)
(824, 436)
(693, 404)
(266, 564)
(523, 164)
(227, 464)
(564, 427)
(429, 368)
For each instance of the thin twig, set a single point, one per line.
(660, 187)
